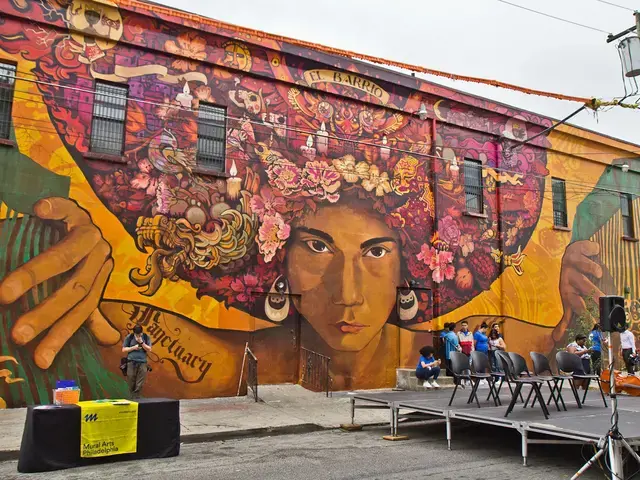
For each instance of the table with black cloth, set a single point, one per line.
(51, 437)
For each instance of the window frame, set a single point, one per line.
(468, 164)
(206, 166)
(563, 212)
(10, 66)
(628, 224)
(96, 151)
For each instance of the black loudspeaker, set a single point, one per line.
(612, 315)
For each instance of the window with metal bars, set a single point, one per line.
(211, 137)
(626, 208)
(7, 85)
(559, 202)
(108, 124)
(473, 186)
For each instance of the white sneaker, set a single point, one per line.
(426, 384)
(483, 384)
(434, 384)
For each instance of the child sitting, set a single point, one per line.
(428, 367)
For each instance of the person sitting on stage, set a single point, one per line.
(578, 348)
(495, 343)
(628, 347)
(428, 368)
(136, 345)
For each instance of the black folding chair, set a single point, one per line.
(570, 362)
(460, 369)
(555, 382)
(501, 378)
(480, 371)
(519, 364)
(519, 382)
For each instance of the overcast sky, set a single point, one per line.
(482, 38)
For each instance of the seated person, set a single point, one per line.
(578, 348)
(428, 367)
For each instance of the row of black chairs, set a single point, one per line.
(516, 374)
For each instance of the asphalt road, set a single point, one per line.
(479, 452)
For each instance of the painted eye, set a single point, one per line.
(317, 246)
(376, 252)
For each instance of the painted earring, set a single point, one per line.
(408, 308)
(276, 306)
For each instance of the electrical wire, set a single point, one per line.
(554, 17)
(181, 108)
(616, 5)
(303, 132)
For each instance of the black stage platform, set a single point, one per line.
(576, 425)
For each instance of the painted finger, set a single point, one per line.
(104, 332)
(62, 330)
(561, 328)
(59, 258)
(36, 321)
(583, 285)
(68, 211)
(588, 248)
(588, 266)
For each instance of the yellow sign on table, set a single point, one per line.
(108, 427)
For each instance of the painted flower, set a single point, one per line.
(285, 176)
(449, 231)
(350, 171)
(439, 261)
(512, 236)
(322, 181)
(190, 45)
(272, 235)
(377, 181)
(242, 287)
(267, 203)
(466, 244)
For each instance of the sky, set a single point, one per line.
(480, 38)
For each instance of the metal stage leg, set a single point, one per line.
(392, 412)
(525, 438)
(448, 419)
(353, 410)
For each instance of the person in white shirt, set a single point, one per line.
(628, 347)
(578, 348)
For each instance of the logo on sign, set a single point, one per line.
(91, 418)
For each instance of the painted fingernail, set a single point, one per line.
(45, 359)
(43, 208)
(23, 334)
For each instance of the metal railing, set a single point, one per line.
(315, 371)
(252, 373)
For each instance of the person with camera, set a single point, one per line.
(136, 345)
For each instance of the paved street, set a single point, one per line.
(479, 453)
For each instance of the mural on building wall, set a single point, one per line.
(321, 235)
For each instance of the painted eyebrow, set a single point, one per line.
(318, 233)
(374, 241)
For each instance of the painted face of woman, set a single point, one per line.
(343, 264)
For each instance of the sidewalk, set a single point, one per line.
(282, 409)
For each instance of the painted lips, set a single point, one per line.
(350, 327)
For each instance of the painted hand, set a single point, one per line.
(575, 286)
(87, 255)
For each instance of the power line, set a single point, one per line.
(554, 17)
(616, 5)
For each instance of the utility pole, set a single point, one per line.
(635, 28)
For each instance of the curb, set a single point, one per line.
(12, 455)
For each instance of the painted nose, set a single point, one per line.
(348, 287)
(92, 17)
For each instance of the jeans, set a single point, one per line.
(427, 373)
(596, 362)
(136, 375)
(495, 363)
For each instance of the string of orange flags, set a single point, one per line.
(591, 103)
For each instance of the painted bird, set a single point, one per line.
(166, 157)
